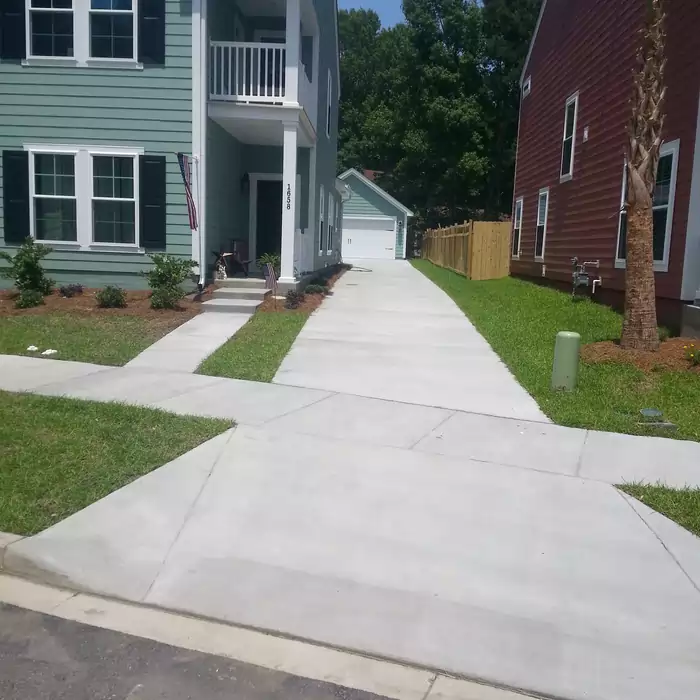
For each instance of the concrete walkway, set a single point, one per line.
(389, 333)
(184, 349)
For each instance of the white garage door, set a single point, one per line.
(369, 238)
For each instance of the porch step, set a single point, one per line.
(232, 306)
(240, 293)
(247, 282)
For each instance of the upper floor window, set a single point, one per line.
(112, 29)
(50, 27)
(542, 214)
(527, 86)
(663, 204)
(569, 144)
(112, 33)
(321, 218)
(329, 103)
(517, 226)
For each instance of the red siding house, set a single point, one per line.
(569, 181)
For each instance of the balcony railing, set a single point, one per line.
(247, 71)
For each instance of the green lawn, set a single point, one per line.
(101, 339)
(59, 455)
(681, 505)
(257, 350)
(520, 320)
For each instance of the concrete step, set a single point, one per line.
(232, 306)
(240, 293)
(247, 282)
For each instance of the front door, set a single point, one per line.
(268, 234)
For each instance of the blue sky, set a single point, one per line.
(389, 11)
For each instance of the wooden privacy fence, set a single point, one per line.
(478, 249)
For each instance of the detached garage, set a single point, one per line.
(374, 223)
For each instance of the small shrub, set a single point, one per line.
(272, 258)
(70, 290)
(25, 268)
(294, 299)
(111, 297)
(29, 298)
(692, 354)
(165, 279)
(166, 298)
(319, 282)
(315, 289)
(664, 334)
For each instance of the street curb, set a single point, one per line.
(6, 539)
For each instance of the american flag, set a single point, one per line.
(186, 172)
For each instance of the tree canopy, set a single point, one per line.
(432, 103)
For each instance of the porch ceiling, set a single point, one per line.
(261, 125)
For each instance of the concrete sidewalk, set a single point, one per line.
(539, 581)
(388, 332)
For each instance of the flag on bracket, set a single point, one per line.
(183, 161)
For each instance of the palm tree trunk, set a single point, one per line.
(639, 329)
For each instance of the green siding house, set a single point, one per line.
(99, 97)
(374, 223)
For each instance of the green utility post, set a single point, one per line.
(566, 353)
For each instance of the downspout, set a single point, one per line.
(202, 146)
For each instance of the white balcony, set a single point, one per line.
(255, 73)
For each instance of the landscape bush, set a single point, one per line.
(27, 272)
(166, 278)
(111, 297)
(70, 290)
(29, 298)
(294, 299)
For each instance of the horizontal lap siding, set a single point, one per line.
(151, 109)
(589, 47)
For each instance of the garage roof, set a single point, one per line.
(356, 173)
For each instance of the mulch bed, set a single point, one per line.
(311, 301)
(138, 304)
(670, 356)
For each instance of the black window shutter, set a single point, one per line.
(152, 193)
(152, 32)
(15, 189)
(12, 34)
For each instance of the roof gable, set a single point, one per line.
(376, 188)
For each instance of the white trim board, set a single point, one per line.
(532, 44)
(376, 188)
(690, 287)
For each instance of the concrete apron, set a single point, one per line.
(545, 582)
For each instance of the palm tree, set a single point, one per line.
(639, 330)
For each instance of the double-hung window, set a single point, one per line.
(541, 233)
(112, 29)
(329, 105)
(663, 204)
(53, 195)
(321, 218)
(50, 28)
(331, 223)
(517, 227)
(86, 196)
(569, 141)
(114, 199)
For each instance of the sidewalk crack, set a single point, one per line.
(431, 683)
(625, 498)
(190, 510)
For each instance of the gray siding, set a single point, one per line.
(150, 108)
(327, 148)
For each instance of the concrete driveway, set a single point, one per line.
(388, 332)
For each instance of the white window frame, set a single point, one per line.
(517, 226)
(543, 191)
(322, 201)
(134, 199)
(81, 39)
(329, 104)
(565, 177)
(331, 226)
(670, 148)
(135, 18)
(527, 86)
(83, 192)
(28, 9)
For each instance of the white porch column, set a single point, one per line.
(289, 204)
(293, 50)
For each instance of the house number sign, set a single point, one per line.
(289, 196)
